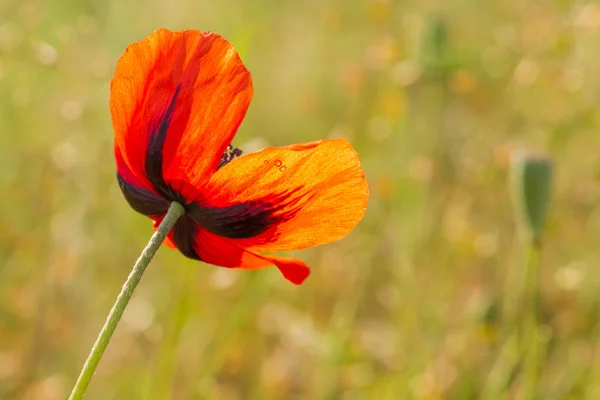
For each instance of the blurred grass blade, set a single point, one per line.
(503, 371)
(247, 305)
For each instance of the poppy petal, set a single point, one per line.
(235, 221)
(292, 269)
(183, 236)
(217, 250)
(199, 244)
(139, 196)
(307, 194)
(177, 99)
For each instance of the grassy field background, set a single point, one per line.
(422, 301)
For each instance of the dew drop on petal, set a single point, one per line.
(266, 161)
(282, 168)
(278, 162)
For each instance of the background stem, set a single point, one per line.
(531, 343)
(175, 211)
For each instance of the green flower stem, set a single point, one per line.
(175, 211)
(531, 342)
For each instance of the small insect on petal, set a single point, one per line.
(229, 154)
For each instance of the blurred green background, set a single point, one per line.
(424, 300)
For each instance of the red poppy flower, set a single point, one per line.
(177, 99)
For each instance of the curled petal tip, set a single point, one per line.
(293, 270)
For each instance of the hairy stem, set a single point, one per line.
(175, 211)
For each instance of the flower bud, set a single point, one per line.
(533, 184)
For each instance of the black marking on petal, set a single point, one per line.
(142, 200)
(242, 220)
(237, 221)
(184, 236)
(229, 154)
(157, 134)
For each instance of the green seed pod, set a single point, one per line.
(533, 186)
(437, 39)
(435, 46)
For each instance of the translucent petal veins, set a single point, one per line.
(239, 221)
(247, 219)
(319, 198)
(157, 134)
